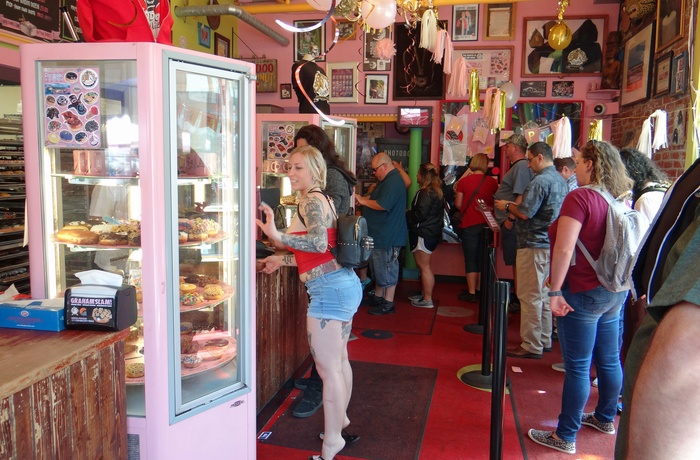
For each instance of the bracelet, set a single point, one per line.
(511, 219)
(507, 206)
(554, 294)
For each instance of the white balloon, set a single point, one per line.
(378, 14)
(321, 5)
(511, 92)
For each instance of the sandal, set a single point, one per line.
(349, 438)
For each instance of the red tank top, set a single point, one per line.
(309, 260)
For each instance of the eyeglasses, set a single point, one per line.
(529, 159)
(374, 170)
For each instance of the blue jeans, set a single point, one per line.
(384, 263)
(590, 331)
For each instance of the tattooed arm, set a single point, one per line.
(272, 263)
(316, 240)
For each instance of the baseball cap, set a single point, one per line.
(517, 139)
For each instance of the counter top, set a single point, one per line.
(27, 357)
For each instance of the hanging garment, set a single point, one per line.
(561, 128)
(125, 21)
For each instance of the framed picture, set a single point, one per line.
(495, 64)
(343, 77)
(669, 22)
(533, 88)
(286, 91)
(204, 35)
(679, 78)
(584, 56)
(662, 74)
(347, 29)
(371, 61)
(636, 69)
(312, 42)
(465, 23)
(222, 45)
(500, 21)
(563, 89)
(414, 117)
(416, 75)
(532, 119)
(376, 89)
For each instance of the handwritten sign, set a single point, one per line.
(266, 70)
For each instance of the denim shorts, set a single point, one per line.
(384, 263)
(335, 295)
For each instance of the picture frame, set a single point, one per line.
(285, 91)
(416, 75)
(636, 68)
(662, 74)
(414, 117)
(533, 88)
(494, 63)
(500, 21)
(563, 88)
(343, 80)
(222, 45)
(204, 35)
(312, 42)
(377, 88)
(670, 16)
(679, 77)
(465, 23)
(581, 57)
(347, 30)
(370, 62)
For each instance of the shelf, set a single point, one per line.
(603, 94)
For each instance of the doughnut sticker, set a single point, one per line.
(88, 78)
(71, 77)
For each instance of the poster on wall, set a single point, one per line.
(371, 61)
(71, 107)
(36, 18)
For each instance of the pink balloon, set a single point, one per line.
(321, 5)
(511, 92)
(378, 14)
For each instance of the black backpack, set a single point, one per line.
(354, 243)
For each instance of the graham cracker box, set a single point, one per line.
(40, 315)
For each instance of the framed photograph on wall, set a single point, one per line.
(533, 88)
(370, 61)
(669, 22)
(347, 29)
(494, 63)
(636, 69)
(343, 77)
(204, 35)
(286, 91)
(465, 23)
(312, 42)
(583, 56)
(222, 45)
(679, 79)
(500, 21)
(563, 88)
(662, 74)
(377, 88)
(416, 75)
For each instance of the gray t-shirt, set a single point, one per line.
(541, 204)
(513, 184)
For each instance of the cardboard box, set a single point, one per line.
(33, 314)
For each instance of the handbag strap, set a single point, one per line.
(476, 190)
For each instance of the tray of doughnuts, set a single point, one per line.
(208, 292)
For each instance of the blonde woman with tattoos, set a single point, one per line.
(334, 292)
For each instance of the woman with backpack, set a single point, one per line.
(650, 184)
(425, 223)
(334, 291)
(587, 314)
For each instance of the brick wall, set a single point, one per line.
(627, 125)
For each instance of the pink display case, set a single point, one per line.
(148, 151)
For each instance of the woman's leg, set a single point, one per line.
(606, 356)
(328, 342)
(427, 278)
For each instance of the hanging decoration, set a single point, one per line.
(560, 35)
(596, 130)
(474, 103)
(644, 142)
(656, 124)
(561, 144)
(458, 87)
(511, 93)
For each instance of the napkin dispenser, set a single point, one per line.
(100, 308)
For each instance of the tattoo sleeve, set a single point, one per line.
(316, 239)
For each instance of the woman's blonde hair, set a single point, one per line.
(608, 170)
(479, 162)
(430, 178)
(313, 159)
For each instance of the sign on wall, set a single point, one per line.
(266, 70)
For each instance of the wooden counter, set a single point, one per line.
(282, 344)
(62, 394)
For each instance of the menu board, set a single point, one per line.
(34, 18)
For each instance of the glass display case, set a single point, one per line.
(143, 169)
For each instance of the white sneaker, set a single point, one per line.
(594, 383)
(558, 367)
(416, 297)
(422, 303)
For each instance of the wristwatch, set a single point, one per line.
(554, 294)
(507, 206)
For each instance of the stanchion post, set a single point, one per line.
(498, 380)
(487, 277)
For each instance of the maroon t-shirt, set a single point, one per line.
(466, 187)
(589, 208)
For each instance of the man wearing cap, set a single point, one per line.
(511, 189)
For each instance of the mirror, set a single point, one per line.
(537, 117)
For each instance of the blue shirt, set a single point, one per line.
(388, 227)
(541, 203)
(513, 184)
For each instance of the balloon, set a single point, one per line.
(511, 92)
(559, 36)
(378, 14)
(321, 5)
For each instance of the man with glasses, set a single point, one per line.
(538, 208)
(385, 211)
